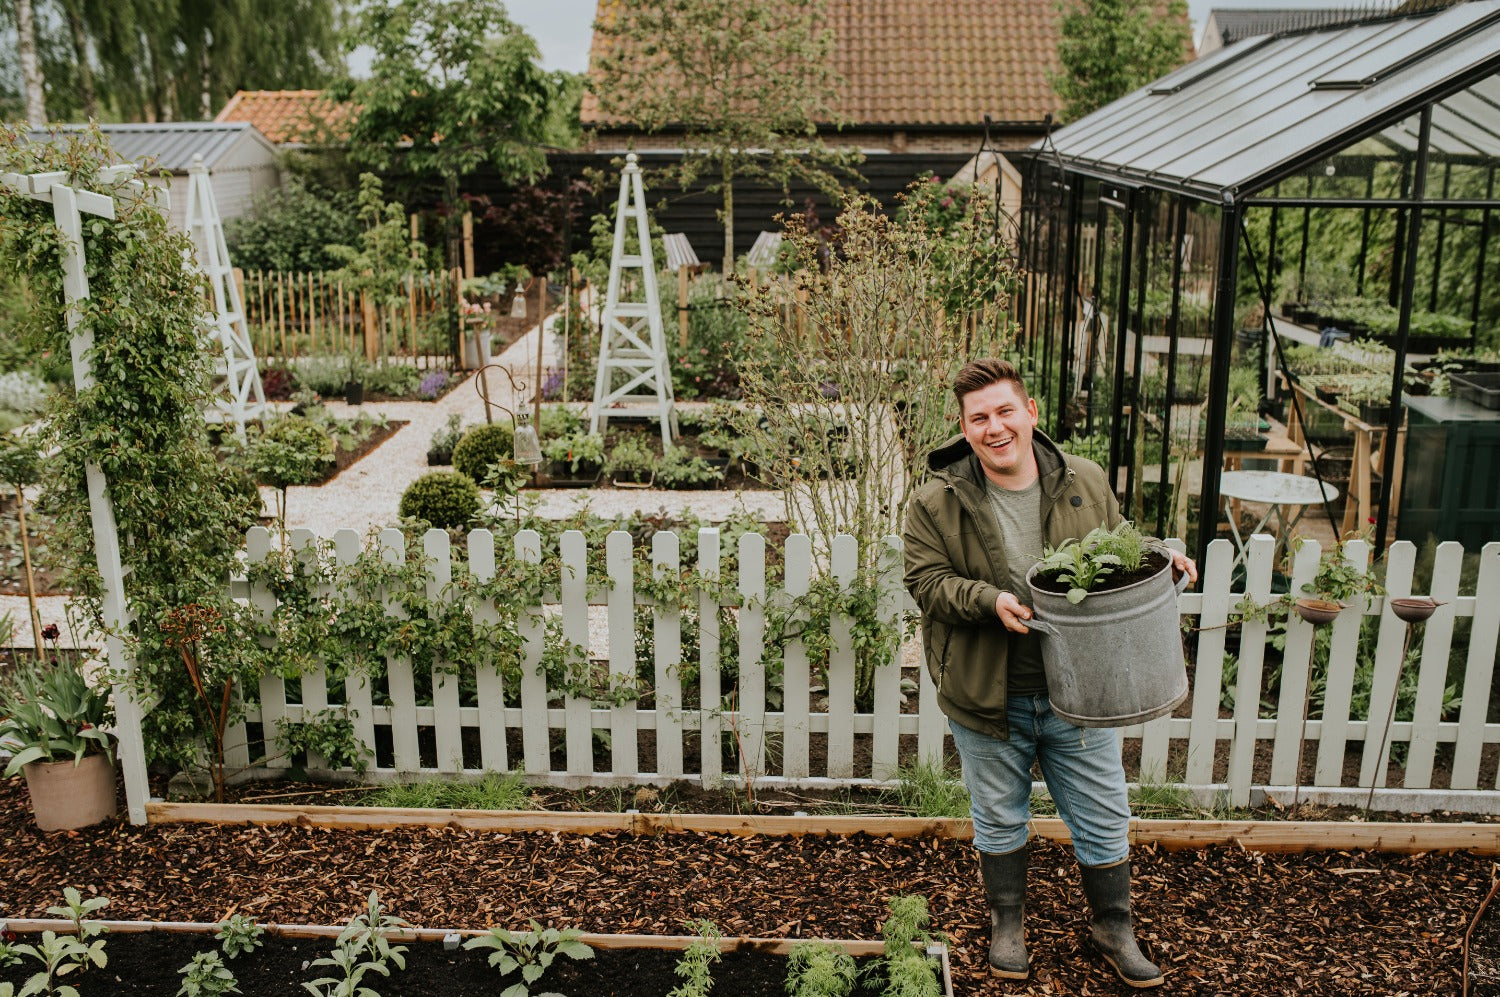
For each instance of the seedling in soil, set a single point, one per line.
(362, 948)
(818, 969)
(532, 952)
(207, 976)
(238, 935)
(909, 973)
(696, 959)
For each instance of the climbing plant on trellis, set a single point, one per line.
(147, 520)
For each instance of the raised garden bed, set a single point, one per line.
(144, 959)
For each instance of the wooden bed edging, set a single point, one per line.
(1262, 836)
(773, 946)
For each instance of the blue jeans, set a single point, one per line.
(1081, 766)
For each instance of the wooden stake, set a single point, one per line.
(469, 245)
(36, 619)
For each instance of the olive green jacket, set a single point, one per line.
(955, 568)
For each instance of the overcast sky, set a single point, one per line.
(562, 27)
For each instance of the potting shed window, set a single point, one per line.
(1284, 251)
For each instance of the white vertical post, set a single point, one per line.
(357, 692)
(710, 719)
(448, 730)
(1252, 662)
(1343, 652)
(408, 758)
(1208, 674)
(750, 724)
(841, 666)
(796, 675)
(886, 748)
(666, 622)
(535, 730)
(620, 559)
(272, 685)
(314, 679)
(1478, 671)
(578, 710)
(1399, 563)
(489, 686)
(1432, 676)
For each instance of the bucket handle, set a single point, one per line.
(1048, 630)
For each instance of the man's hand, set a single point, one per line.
(1182, 564)
(1013, 612)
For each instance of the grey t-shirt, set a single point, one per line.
(1019, 515)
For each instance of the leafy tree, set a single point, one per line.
(1111, 47)
(291, 227)
(168, 60)
(747, 84)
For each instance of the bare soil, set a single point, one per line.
(1219, 920)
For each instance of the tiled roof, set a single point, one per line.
(921, 62)
(170, 145)
(288, 116)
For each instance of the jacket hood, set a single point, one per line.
(956, 459)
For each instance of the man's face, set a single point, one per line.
(998, 422)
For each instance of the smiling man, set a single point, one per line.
(1000, 492)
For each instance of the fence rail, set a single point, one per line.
(1242, 729)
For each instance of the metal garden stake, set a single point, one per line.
(1409, 611)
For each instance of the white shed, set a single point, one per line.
(241, 161)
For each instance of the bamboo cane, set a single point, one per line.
(36, 619)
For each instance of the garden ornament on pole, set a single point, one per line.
(1409, 611)
(527, 445)
(1315, 612)
(69, 205)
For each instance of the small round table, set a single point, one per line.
(1277, 491)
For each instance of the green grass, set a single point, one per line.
(496, 791)
(929, 790)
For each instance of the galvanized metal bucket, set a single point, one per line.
(1114, 659)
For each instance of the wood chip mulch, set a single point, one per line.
(1220, 920)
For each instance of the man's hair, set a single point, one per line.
(979, 374)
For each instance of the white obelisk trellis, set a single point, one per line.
(69, 205)
(246, 399)
(633, 342)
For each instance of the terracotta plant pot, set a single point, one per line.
(1316, 611)
(65, 796)
(1413, 610)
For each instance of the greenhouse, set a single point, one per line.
(1280, 255)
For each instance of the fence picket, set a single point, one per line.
(710, 689)
(1437, 642)
(1399, 562)
(619, 562)
(357, 696)
(402, 687)
(885, 752)
(1338, 689)
(1156, 735)
(575, 623)
(796, 673)
(667, 641)
(1296, 668)
(314, 679)
(1208, 672)
(536, 733)
(1478, 672)
(749, 720)
(489, 684)
(272, 686)
(448, 731)
(842, 666)
(1251, 666)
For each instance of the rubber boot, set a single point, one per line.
(1108, 890)
(1005, 888)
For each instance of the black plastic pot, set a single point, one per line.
(354, 393)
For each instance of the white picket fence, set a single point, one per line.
(1240, 754)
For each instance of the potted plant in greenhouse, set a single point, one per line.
(1107, 608)
(54, 719)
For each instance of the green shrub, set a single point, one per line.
(288, 450)
(290, 228)
(446, 499)
(481, 447)
(398, 380)
(632, 454)
(680, 469)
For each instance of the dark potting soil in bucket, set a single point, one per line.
(1115, 658)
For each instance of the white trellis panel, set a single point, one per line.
(633, 343)
(241, 398)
